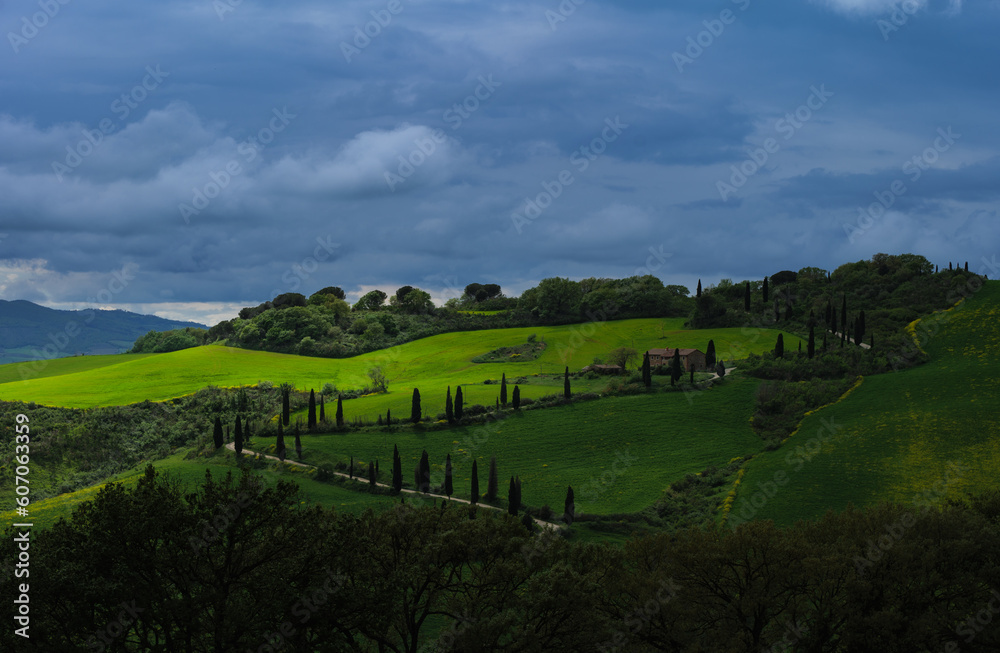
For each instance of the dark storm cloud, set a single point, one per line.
(231, 153)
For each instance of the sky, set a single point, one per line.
(189, 158)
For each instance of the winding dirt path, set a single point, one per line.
(232, 447)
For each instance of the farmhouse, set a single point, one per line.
(603, 369)
(690, 358)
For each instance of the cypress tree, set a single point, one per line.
(286, 409)
(843, 315)
(425, 472)
(503, 390)
(517, 490)
(829, 310)
(710, 355)
(311, 418)
(691, 380)
(512, 498)
(350, 470)
(859, 331)
(515, 399)
(811, 351)
(322, 409)
(449, 488)
(340, 411)
(966, 266)
(647, 372)
(388, 417)
(833, 321)
(298, 444)
(475, 483)
(720, 369)
(415, 413)
(779, 347)
(449, 410)
(458, 402)
(376, 467)
(492, 486)
(764, 290)
(698, 292)
(569, 508)
(372, 478)
(279, 444)
(949, 266)
(238, 440)
(217, 433)
(566, 392)
(675, 366)
(397, 470)
(746, 297)
(246, 432)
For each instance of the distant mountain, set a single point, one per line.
(32, 332)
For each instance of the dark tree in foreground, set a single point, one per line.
(449, 409)
(698, 291)
(512, 498)
(238, 439)
(492, 484)
(746, 297)
(217, 433)
(298, 443)
(710, 355)
(647, 373)
(515, 398)
(763, 290)
(279, 445)
(779, 346)
(720, 369)
(322, 409)
(811, 351)
(397, 470)
(843, 314)
(859, 329)
(388, 417)
(475, 483)
(425, 472)
(340, 411)
(569, 508)
(566, 391)
(372, 477)
(449, 487)
(458, 403)
(311, 418)
(691, 380)
(675, 366)
(415, 412)
(503, 389)
(350, 470)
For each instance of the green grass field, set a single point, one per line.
(41, 369)
(191, 472)
(618, 453)
(901, 434)
(430, 364)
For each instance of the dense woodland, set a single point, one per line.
(236, 566)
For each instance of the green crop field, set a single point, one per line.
(618, 453)
(914, 436)
(55, 367)
(191, 472)
(430, 364)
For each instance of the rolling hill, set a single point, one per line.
(915, 436)
(29, 332)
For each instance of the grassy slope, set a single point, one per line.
(668, 435)
(430, 363)
(46, 512)
(69, 365)
(900, 431)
